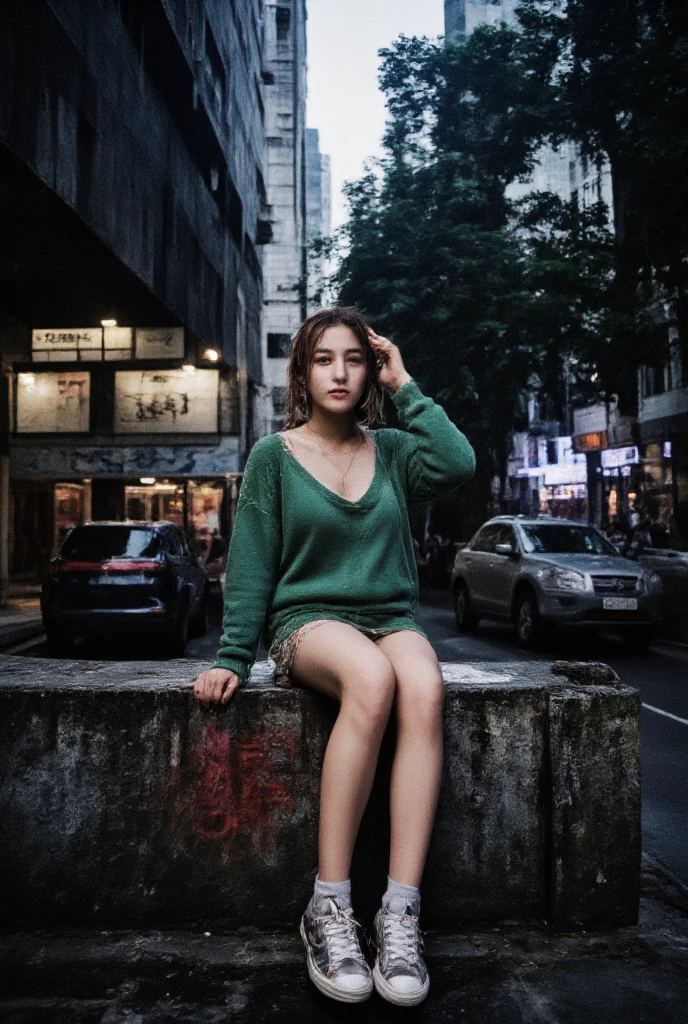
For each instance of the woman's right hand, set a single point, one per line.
(216, 686)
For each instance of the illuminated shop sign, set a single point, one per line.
(159, 342)
(166, 401)
(596, 441)
(616, 457)
(55, 403)
(108, 342)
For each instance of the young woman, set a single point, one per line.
(321, 552)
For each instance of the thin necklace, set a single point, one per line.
(326, 455)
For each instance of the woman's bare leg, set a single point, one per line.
(335, 659)
(417, 767)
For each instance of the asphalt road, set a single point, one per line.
(660, 674)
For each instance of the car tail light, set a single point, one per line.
(145, 565)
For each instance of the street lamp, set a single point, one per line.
(108, 323)
(212, 355)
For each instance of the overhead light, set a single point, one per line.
(212, 355)
(108, 323)
(189, 368)
(147, 479)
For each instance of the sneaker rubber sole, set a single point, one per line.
(384, 989)
(325, 985)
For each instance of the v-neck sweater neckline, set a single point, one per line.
(367, 499)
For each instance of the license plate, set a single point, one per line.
(620, 604)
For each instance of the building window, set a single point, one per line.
(279, 399)
(283, 18)
(215, 65)
(278, 346)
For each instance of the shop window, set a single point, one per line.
(278, 346)
(552, 452)
(152, 502)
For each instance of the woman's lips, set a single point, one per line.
(338, 394)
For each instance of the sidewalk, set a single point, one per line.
(20, 619)
(505, 975)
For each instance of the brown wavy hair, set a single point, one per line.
(299, 405)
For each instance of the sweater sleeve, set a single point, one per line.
(252, 562)
(436, 456)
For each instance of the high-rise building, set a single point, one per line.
(318, 212)
(298, 188)
(284, 265)
(133, 204)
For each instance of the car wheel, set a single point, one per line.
(527, 623)
(60, 644)
(638, 639)
(466, 619)
(198, 625)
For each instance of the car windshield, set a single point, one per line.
(98, 543)
(565, 538)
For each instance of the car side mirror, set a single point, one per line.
(506, 549)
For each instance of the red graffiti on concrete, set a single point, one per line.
(236, 791)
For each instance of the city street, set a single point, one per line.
(660, 675)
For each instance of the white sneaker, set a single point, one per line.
(400, 975)
(336, 964)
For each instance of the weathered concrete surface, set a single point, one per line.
(125, 803)
(505, 974)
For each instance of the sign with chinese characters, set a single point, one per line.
(55, 403)
(616, 457)
(159, 342)
(66, 344)
(166, 402)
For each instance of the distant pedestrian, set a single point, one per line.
(322, 553)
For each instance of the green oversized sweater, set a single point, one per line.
(301, 552)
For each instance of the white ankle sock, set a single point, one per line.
(341, 891)
(398, 896)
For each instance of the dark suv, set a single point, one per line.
(128, 579)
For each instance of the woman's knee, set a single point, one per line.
(368, 692)
(420, 702)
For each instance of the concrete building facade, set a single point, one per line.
(284, 265)
(318, 213)
(132, 191)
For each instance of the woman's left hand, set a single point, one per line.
(392, 372)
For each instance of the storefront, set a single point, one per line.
(638, 485)
(114, 423)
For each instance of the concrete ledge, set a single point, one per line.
(124, 803)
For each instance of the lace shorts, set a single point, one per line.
(283, 653)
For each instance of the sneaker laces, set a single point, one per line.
(403, 940)
(339, 928)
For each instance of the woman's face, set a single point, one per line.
(338, 372)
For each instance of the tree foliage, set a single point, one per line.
(489, 298)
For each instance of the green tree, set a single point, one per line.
(621, 92)
(483, 302)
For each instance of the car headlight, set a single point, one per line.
(564, 579)
(652, 581)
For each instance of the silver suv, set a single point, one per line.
(546, 571)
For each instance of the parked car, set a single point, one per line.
(544, 572)
(127, 578)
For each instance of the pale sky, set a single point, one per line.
(344, 101)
